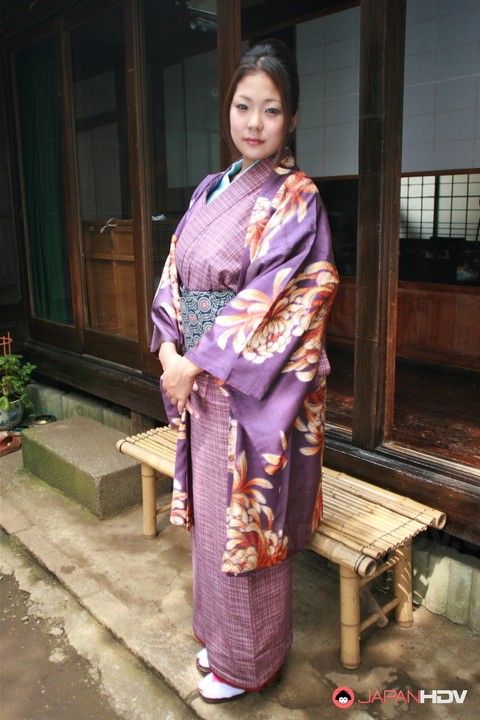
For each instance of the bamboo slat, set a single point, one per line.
(377, 522)
(340, 494)
(164, 508)
(376, 535)
(376, 616)
(163, 439)
(342, 500)
(354, 530)
(356, 491)
(164, 434)
(149, 447)
(156, 447)
(400, 504)
(150, 444)
(370, 531)
(352, 543)
(371, 516)
(339, 553)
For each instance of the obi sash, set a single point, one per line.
(199, 310)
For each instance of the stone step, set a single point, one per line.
(78, 457)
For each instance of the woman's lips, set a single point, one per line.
(253, 141)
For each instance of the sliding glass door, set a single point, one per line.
(100, 116)
(44, 202)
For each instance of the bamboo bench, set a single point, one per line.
(365, 530)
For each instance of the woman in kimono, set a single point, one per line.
(239, 324)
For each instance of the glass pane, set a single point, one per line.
(99, 95)
(441, 110)
(439, 226)
(438, 343)
(181, 41)
(328, 53)
(38, 95)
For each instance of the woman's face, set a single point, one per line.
(257, 120)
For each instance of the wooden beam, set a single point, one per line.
(270, 16)
(382, 40)
(229, 48)
(139, 168)
(115, 383)
(71, 198)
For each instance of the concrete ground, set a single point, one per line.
(58, 662)
(139, 593)
(43, 677)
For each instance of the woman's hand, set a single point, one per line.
(178, 378)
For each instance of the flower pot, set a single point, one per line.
(11, 418)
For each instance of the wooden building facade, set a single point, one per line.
(110, 121)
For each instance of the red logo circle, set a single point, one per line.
(343, 697)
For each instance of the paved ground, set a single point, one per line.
(58, 663)
(43, 677)
(139, 592)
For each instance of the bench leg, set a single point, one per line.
(149, 501)
(349, 618)
(402, 584)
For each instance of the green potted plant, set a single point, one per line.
(15, 375)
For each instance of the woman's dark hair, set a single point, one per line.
(278, 61)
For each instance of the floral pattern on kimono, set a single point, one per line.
(266, 350)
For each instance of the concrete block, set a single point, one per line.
(437, 586)
(459, 591)
(447, 582)
(75, 404)
(46, 400)
(119, 418)
(474, 610)
(78, 457)
(420, 563)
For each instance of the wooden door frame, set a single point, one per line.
(382, 47)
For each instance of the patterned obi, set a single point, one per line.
(199, 310)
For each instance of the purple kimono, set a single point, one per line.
(265, 352)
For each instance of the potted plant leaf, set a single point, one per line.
(15, 375)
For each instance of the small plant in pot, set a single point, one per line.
(15, 375)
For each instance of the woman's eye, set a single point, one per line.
(241, 106)
(273, 111)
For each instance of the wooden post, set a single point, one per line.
(139, 170)
(382, 40)
(349, 618)
(229, 40)
(402, 581)
(149, 501)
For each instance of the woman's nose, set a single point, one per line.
(254, 120)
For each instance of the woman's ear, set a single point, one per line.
(293, 123)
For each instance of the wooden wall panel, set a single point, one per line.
(426, 321)
(436, 323)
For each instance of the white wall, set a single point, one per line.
(192, 120)
(328, 59)
(442, 89)
(442, 85)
